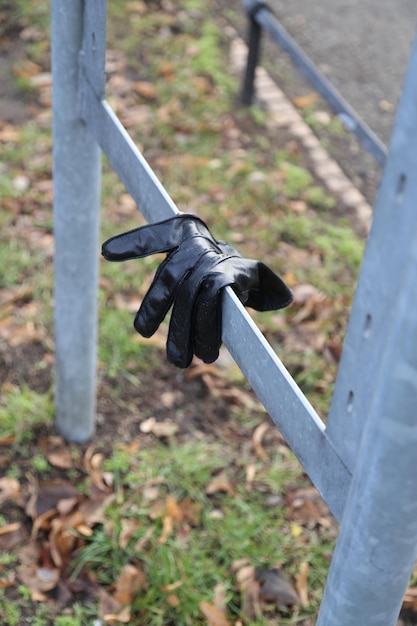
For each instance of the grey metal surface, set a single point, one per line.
(377, 544)
(381, 282)
(288, 407)
(76, 161)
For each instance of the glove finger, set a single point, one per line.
(181, 327)
(256, 284)
(168, 279)
(162, 236)
(207, 336)
(271, 292)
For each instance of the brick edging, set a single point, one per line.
(282, 114)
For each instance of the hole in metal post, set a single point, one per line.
(93, 42)
(402, 181)
(349, 405)
(367, 326)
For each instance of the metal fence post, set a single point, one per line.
(254, 44)
(377, 543)
(76, 165)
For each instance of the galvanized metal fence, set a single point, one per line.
(363, 462)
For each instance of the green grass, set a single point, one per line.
(20, 409)
(195, 557)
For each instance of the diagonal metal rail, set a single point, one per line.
(282, 398)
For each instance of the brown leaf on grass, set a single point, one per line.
(305, 101)
(146, 90)
(10, 581)
(5, 441)
(220, 596)
(9, 133)
(167, 69)
(129, 527)
(93, 466)
(26, 69)
(40, 579)
(110, 610)
(257, 438)
(61, 542)
(167, 528)
(161, 430)
(93, 510)
(191, 511)
(131, 580)
(275, 588)
(301, 583)
(12, 535)
(122, 617)
(173, 600)
(143, 541)
(220, 484)
(173, 509)
(306, 507)
(310, 301)
(130, 448)
(250, 476)
(249, 589)
(9, 488)
(213, 615)
(410, 598)
(56, 451)
(46, 495)
(172, 587)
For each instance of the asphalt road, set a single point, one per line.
(362, 46)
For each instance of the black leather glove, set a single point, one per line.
(191, 277)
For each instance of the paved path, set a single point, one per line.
(362, 46)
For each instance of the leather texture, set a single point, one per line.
(191, 279)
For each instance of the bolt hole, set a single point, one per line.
(367, 326)
(401, 184)
(93, 42)
(349, 406)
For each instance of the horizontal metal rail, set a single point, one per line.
(282, 398)
(260, 15)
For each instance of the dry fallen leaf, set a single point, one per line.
(302, 102)
(146, 90)
(9, 488)
(131, 580)
(167, 528)
(129, 526)
(39, 578)
(12, 535)
(219, 484)
(410, 598)
(56, 452)
(93, 466)
(257, 438)
(213, 615)
(249, 589)
(275, 588)
(46, 495)
(161, 430)
(301, 583)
